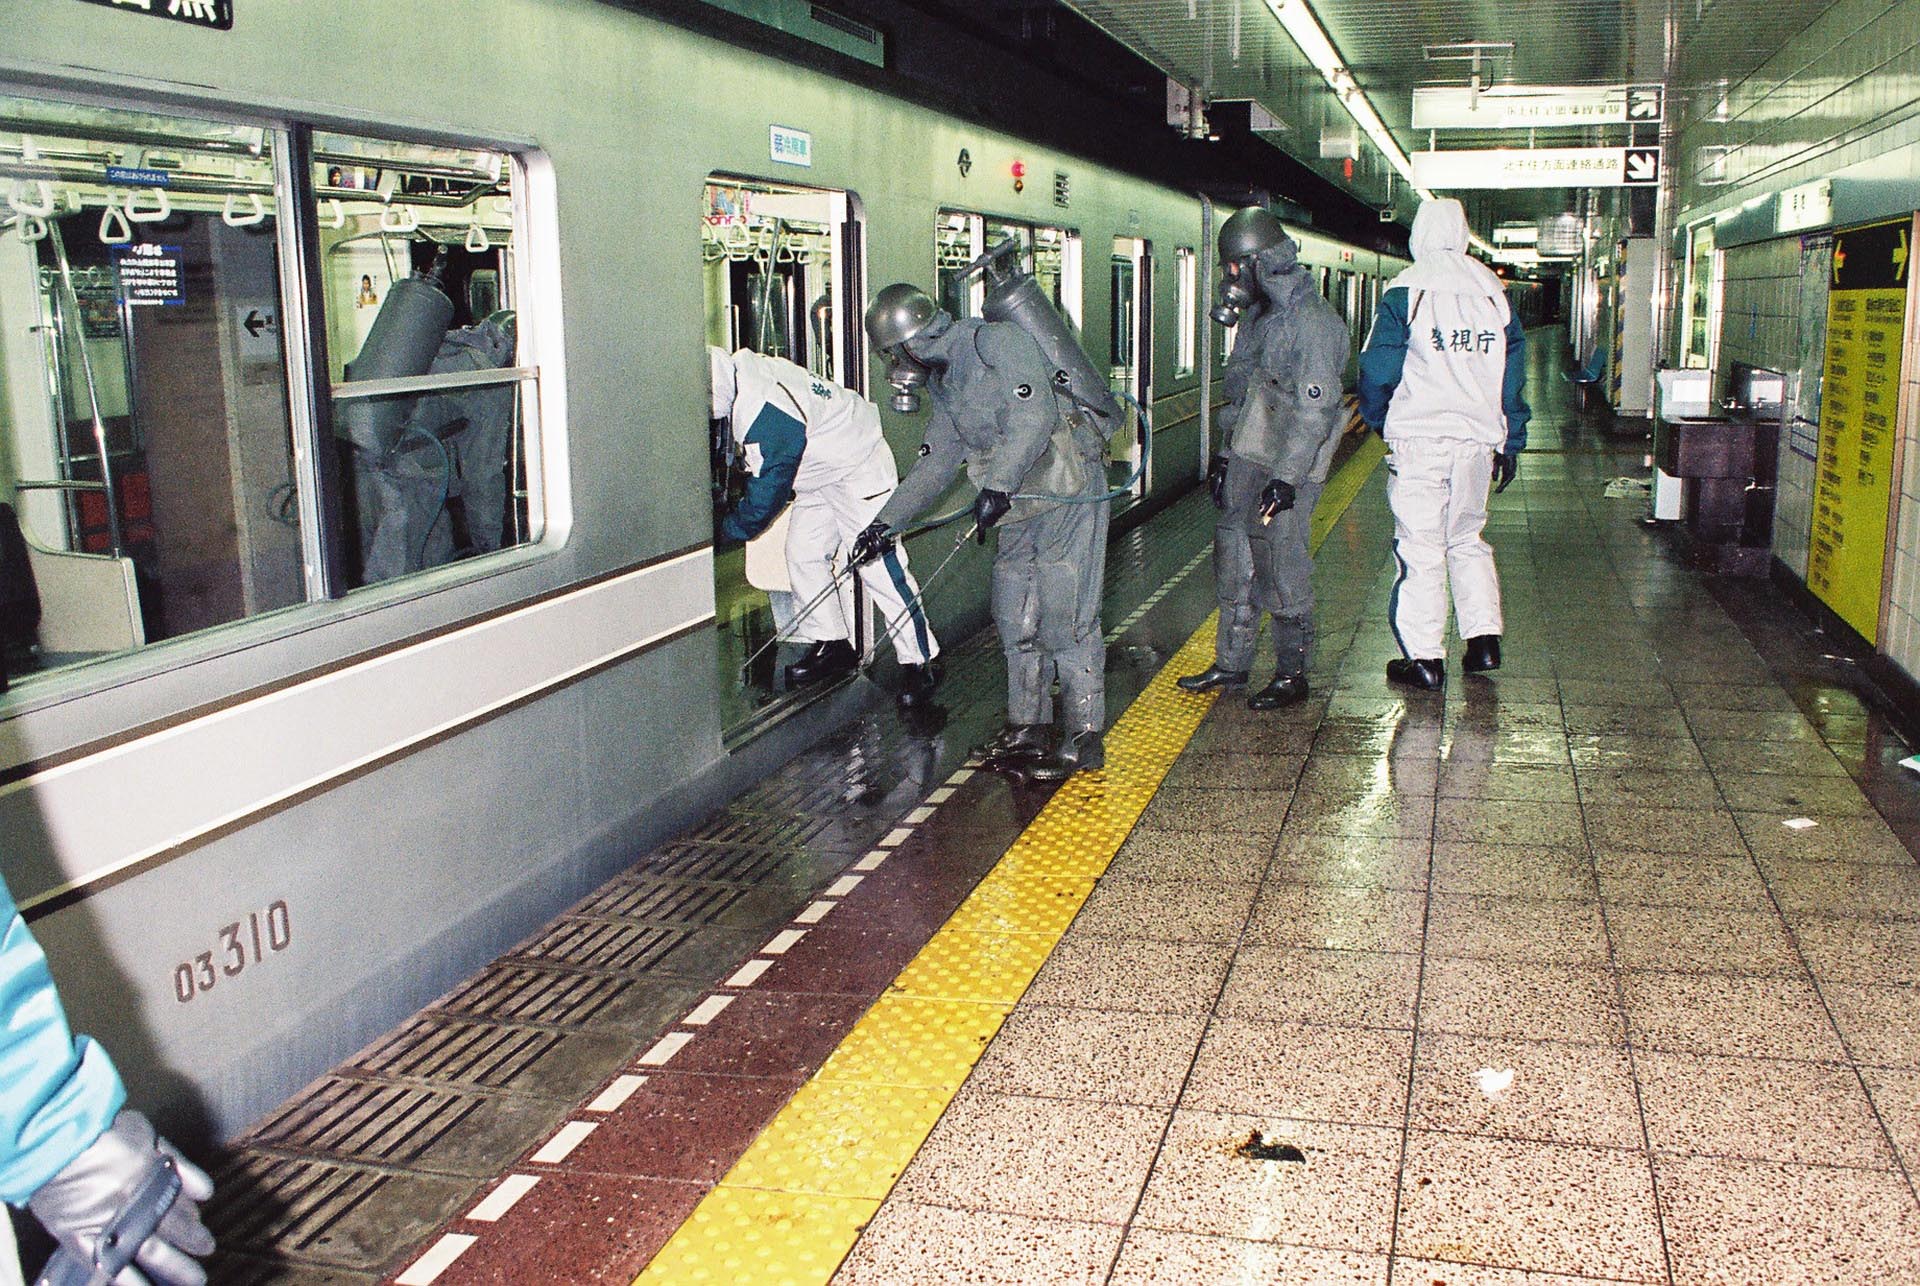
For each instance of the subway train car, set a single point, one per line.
(352, 411)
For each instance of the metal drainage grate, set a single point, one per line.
(435, 1048)
(602, 944)
(285, 1205)
(368, 1120)
(522, 994)
(676, 901)
(702, 860)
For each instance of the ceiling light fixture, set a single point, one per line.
(1303, 26)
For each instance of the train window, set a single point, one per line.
(1131, 348)
(157, 418)
(960, 237)
(430, 400)
(1186, 310)
(145, 438)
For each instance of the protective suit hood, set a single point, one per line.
(1441, 263)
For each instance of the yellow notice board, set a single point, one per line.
(1853, 487)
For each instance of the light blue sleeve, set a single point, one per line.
(1384, 358)
(57, 1093)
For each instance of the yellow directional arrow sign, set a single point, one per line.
(1900, 257)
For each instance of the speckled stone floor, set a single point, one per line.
(1606, 967)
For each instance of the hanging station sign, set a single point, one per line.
(1538, 167)
(1859, 421)
(214, 14)
(1537, 106)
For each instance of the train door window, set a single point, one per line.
(1130, 334)
(145, 434)
(1186, 308)
(420, 286)
(782, 276)
(958, 239)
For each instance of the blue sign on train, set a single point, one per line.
(123, 177)
(216, 14)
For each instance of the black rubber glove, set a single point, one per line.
(875, 540)
(989, 507)
(1505, 469)
(78, 1204)
(1217, 481)
(1276, 499)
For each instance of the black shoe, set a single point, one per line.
(1079, 752)
(1421, 673)
(917, 684)
(1210, 678)
(1285, 690)
(1018, 741)
(828, 660)
(1483, 654)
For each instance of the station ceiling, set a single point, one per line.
(1238, 49)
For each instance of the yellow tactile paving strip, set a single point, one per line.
(795, 1202)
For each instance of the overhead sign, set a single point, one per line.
(1808, 206)
(1859, 421)
(1537, 106)
(1538, 167)
(150, 274)
(216, 14)
(791, 146)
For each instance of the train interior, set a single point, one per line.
(148, 445)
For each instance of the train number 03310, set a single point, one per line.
(241, 943)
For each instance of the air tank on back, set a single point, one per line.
(403, 341)
(1015, 296)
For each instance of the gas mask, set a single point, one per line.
(1238, 290)
(908, 376)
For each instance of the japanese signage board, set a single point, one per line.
(1859, 406)
(1538, 167)
(791, 146)
(1537, 106)
(215, 14)
(150, 274)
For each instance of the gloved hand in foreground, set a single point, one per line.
(989, 507)
(1505, 469)
(96, 1188)
(1276, 499)
(874, 540)
(1217, 481)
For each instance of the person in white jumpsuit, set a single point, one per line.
(809, 441)
(1443, 377)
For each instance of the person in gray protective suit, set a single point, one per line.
(1039, 461)
(1281, 423)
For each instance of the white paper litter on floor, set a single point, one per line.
(1626, 488)
(1494, 1083)
(1911, 763)
(1799, 823)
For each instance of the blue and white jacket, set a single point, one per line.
(1446, 357)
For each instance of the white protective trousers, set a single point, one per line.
(1437, 489)
(820, 528)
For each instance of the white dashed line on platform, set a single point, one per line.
(844, 885)
(815, 912)
(565, 1140)
(665, 1048)
(782, 942)
(748, 974)
(707, 1010)
(615, 1095)
(427, 1269)
(503, 1198)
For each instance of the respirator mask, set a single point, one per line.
(908, 376)
(1237, 291)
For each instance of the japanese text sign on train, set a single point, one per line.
(150, 274)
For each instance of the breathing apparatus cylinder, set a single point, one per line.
(403, 342)
(1017, 297)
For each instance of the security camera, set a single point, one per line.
(1387, 214)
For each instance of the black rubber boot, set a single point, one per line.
(1026, 741)
(1285, 690)
(828, 660)
(917, 684)
(1483, 654)
(1079, 752)
(1210, 678)
(1420, 673)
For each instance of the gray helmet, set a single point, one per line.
(897, 314)
(1248, 232)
